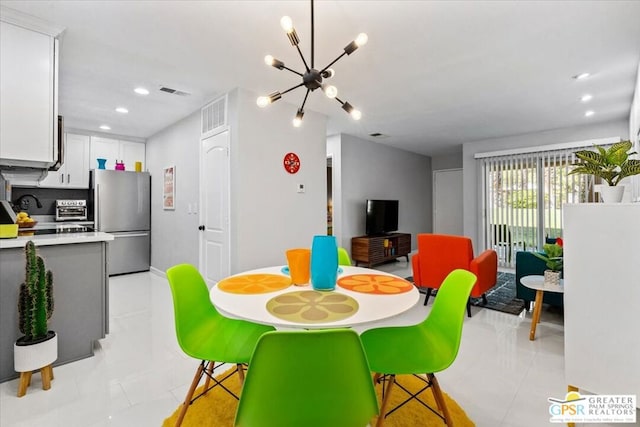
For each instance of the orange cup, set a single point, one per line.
(299, 261)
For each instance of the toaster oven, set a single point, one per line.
(68, 210)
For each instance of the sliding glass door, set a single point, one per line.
(523, 197)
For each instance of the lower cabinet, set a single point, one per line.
(372, 250)
(81, 294)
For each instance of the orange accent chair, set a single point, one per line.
(440, 254)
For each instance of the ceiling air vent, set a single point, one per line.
(378, 135)
(213, 116)
(174, 91)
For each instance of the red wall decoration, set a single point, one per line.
(291, 163)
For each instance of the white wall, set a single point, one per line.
(472, 186)
(447, 161)
(174, 234)
(375, 171)
(268, 215)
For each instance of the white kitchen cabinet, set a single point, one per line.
(602, 297)
(28, 105)
(74, 172)
(112, 149)
(104, 148)
(132, 152)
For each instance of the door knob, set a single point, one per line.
(201, 228)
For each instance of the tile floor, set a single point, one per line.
(139, 375)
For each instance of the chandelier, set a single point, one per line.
(312, 78)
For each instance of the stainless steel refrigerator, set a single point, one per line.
(120, 202)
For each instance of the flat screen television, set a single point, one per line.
(382, 216)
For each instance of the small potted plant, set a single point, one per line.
(38, 348)
(553, 257)
(612, 165)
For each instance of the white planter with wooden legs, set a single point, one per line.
(33, 357)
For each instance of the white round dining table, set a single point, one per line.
(371, 307)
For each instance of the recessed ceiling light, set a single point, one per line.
(105, 127)
(589, 113)
(122, 110)
(141, 91)
(581, 76)
(586, 98)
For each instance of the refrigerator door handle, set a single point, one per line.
(96, 208)
(130, 234)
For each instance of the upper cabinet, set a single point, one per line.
(132, 152)
(74, 172)
(112, 149)
(28, 101)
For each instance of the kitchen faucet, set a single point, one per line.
(24, 204)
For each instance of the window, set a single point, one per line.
(523, 197)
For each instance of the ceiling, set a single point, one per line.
(432, 76)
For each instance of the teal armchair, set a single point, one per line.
(528, 264)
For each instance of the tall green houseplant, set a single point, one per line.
(35, 301)
(612, 164)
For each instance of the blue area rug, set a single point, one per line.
(502, 297)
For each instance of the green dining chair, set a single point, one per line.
(425, 348)
(205, 334)
(316, 378)
(343, 257)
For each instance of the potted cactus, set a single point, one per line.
(38, 348)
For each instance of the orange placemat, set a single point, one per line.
(254, 283)
(312, 306)
(375, 284)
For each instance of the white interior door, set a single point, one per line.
(447, 202)
(214, 211)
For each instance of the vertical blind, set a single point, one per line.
(523, 197)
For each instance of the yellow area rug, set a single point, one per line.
(218, 408)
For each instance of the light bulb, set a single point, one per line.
(589, 113)
(586, 98)
(268, 60)
(362, 39)
(328, 73)
(287, 24)
(330, 91)
(263, 101)
(356, 114)
(297, 120)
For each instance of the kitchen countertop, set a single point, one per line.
(48, 222)
(56, 239)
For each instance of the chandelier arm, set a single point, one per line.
(292, 88)
(302, 57)
(312, 38)
(333, 62)
(293, 71)
(305, 99)
(339, 100)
